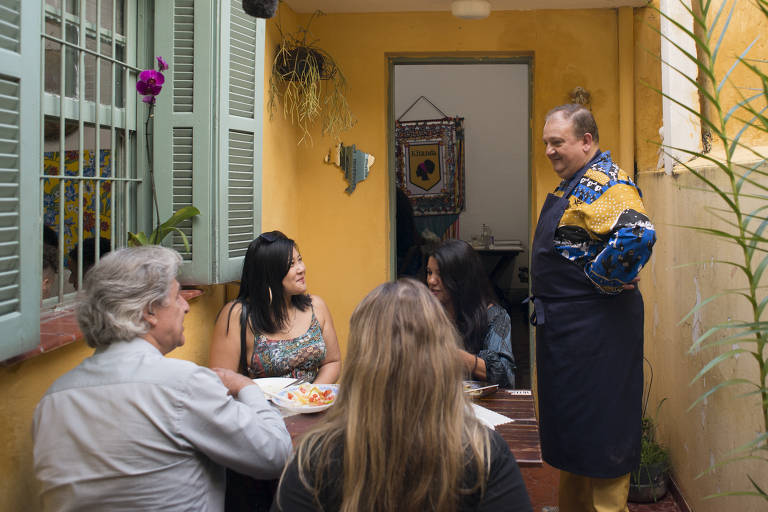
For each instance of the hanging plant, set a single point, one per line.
(311, 87)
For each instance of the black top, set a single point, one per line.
(505, 489)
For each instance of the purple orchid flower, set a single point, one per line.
(150, 82)
(161, 63)
(149, 99)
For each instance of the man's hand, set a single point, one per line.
(233, 381)
(631, 285)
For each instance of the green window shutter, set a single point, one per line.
(20, 264)
(242, 111)
(184, 128)
(212, 129)
(183, 144)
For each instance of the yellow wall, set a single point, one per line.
(704, 435)
(23, 385)
(281, 172)
(345, 238)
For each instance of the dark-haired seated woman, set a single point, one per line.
(402, 435)
(274, 328)
(455, 275)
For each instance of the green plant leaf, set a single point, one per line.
(738, 337)
(742, 337)
(137, 239)
(759, 490)
(738, 135)
(713, 467)
(725, 384)
(716, 50)
(183, 238)
(181, 215)
(707, 301)
(739, 59)
(716, 361)
(715, 129)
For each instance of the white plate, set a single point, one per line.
(271, 385)
(282, 400)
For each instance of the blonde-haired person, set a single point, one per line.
(402, 435)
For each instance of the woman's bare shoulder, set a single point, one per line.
(230, 311)
(319, 305)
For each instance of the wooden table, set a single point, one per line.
(522, 435)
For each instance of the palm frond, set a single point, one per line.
(722, 385)
(717, 360)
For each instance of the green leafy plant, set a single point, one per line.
(648, 482)
(165, 229)
(311, 87)
(742, 209)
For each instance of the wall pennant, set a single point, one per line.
(429, 161)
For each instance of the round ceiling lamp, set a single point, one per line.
(471, 9)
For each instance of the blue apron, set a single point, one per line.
(589, 360)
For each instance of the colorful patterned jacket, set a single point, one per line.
(605, 228)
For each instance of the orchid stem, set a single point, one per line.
(151, 168)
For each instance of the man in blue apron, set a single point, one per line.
(593, 237)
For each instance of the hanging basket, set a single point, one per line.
(297, 63)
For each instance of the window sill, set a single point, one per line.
(58, 327)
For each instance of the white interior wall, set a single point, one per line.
(493, 100)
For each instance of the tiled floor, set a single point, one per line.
(666, 504)
(542, 489)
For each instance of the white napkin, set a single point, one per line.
(490, 418)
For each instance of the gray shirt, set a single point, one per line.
(129, 429)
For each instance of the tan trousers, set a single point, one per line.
(579, 493)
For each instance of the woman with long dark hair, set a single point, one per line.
(402, 435)
(274, 328)
(455, 275)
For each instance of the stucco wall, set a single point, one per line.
(682, 273)
(23, 385)
(345, 239)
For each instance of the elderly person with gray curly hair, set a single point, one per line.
(129, 429)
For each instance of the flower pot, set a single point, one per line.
(298, 62)
(648, 483)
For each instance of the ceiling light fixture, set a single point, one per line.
(471, 9)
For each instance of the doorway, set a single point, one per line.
(493, 96)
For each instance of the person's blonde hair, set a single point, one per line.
(405, 424)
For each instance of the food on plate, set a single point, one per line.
(310, 395)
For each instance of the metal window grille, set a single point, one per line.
(89, 177)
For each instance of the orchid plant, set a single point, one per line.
(149, 85)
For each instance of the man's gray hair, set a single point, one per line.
(582, 119)
(120, 287)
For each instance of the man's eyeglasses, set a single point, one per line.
(268, 237)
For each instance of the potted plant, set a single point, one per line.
(309, 83)
(648, 482)
(149, 85)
